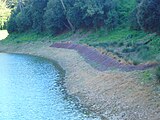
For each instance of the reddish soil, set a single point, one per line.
(100, 61)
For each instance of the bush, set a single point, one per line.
(129, 44)
(128, 50)
(11, 25)
(133, 21)
(158, 73)
(120, 44)
(148, 15)
(113, 44)
(104, 45)
(136, 62)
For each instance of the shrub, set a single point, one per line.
(113, 44)
(120, 44)
(129, 44)
(142, 48)
(136, 62)
(11, 25)
(103, 45)
(158, 73)
(128, 50)
(148, 15)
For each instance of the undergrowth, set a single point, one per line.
(158, 73)
(126, 43)
(123, 42)
(16, 38)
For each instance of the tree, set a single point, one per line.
(65, 12)
(20, 5)
(148, 15)
(54, 17)
(4, 13)
(37, 8)
(60, 15)
(11, 25)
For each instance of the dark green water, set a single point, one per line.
(31, 89)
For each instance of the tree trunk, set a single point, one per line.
(69, 22)
(20, 4)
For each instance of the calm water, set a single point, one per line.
(30, 89)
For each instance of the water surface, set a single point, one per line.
(30, 90)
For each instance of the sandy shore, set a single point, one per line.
(114, 95)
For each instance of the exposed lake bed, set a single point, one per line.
(111, 94)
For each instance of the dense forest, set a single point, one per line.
(57, 16)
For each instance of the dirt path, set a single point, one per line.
(100, 61)
(112, 94)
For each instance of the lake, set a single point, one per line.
(31, 88)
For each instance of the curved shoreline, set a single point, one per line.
(112, 94)
(103, 62)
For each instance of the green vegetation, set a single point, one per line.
(150, 76)
(4, 14)
(17, 38)
(147, 76)
(158, 74)
(127, 28)
(118, 35)
(57, 16)
(131, 45)
(148, 15)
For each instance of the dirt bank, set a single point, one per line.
(102, 62)
(114, 95)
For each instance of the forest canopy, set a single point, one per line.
(57, 16)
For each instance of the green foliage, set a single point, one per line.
(31, 36)
(148, 15)
(4, 14)
(15, 38)
(37, 10)
(147, 76)
(12, 26)
(28, 17)
(119, 35)
(23, 21)
(134, 21)
(129, 43)
(128, 50)
(113, 20)
(125, 7)
(55, 16)
(158, 73)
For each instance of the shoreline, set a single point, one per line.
(111, 94)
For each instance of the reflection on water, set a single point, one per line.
(29, 91)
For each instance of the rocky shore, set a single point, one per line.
(112, 94)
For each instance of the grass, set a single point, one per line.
(119, 35)
(158, 73)
(16, 38)
(147, 76)
(150, 76)
(127, 43)
(123, 42)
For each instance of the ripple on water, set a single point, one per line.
(29, 91)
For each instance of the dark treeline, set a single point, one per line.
(57, 16)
